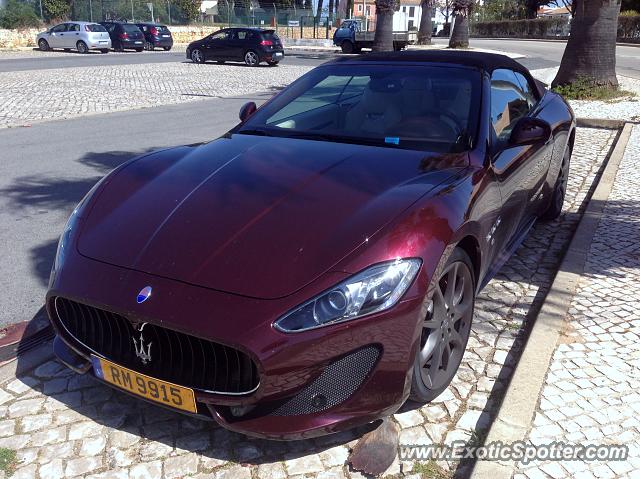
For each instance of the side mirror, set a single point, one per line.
(528, 131)
(247, 110)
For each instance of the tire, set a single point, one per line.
(559, 190)
(118, 48)
(43, 45)
(444, 338)
(251, 59)
(272, 64)
(347, 47)
(139, 50)
(82, 47)
(197, 56)
(166, 49)
(397, 47)
(104, 50)
(149, 46)
(220, 62)
(67, 49)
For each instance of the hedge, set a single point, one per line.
(628, 28)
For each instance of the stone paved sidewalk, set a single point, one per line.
(592, 391)
(65, 425)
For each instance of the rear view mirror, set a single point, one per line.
(528, 131)
(247, 110)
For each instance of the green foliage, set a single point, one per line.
(8, 459)
(536, 28)
(56, 9)
(630, 5)
(429, 470)
(629, 27)
(18, 15)
(190, 9)
(584, 89)
(630, 13)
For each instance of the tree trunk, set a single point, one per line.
(383, 40)
(425, 30)
(331, 4)
(591, 50)
(460, 35)
(319, 11)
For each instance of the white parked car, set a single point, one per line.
(81, 36)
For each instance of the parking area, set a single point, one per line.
(64, 425)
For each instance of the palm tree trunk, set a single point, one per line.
(319, 11)
(591, 50)
(425, 30)
(460, 35)
(383, 40)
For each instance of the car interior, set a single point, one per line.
(395, 108)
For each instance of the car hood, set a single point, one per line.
(255, 216)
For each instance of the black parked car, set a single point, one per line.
(124, 36)
(251, 45)
(156, 36)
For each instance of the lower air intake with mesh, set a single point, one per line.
(335, 385)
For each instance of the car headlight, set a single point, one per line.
(373, 290)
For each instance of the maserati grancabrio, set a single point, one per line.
(317, 265)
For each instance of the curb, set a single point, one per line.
(550, 40)
(521, 397)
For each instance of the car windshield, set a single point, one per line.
(130, 28)
(95, 28)
(429, 108)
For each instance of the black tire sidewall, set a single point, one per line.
(419, 391)
(45, 43)
(82, 47)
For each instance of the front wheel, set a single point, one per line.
(445, 328)
(197, 56)
(166, 49)
(82, 47)
(104, 50)
(43, 45)
(347, 47)
(560, 189)
(148, 46)
(139, 49)
(272, 64)
(251, 59)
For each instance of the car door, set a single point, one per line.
(56, 38)
(215, 48)
(72, 35)
(237, 44)
(515, 167)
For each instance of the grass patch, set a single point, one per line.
(8, 460)
(429, 470)
(583, 89)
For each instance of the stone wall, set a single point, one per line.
(181, 34)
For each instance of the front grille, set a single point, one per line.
(175, 357)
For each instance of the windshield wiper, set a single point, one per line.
(255, 132)
(337, 138)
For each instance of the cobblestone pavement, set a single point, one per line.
(37, 95)
(66, 425)
(592, 391)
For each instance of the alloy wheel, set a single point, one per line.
(82, 47)
(148, 46)
(251, 58)
(43, 45)
(446, 327)
(196, 56)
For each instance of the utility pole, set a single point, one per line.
(169, 10)
(90, 11)
(41, 13)
(132, 17)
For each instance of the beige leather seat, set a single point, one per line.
(377, 111)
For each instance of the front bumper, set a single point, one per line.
(313, 383)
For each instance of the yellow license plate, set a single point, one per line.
(155, 390)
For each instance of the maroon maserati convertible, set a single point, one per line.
(317, 265)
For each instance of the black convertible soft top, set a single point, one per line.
(481, 60)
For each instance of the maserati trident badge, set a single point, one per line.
(144, 294)
(141, 352)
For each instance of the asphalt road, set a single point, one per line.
(62, 59)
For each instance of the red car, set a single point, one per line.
(316, 266)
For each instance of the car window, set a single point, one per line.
(508, 102)
(130, 28)
(73, 27)
(240, 35)
(94, 27)
(60, 28)
(530, 93)
(414, 107)
(110, 27)
(144, 28)
(222, 35)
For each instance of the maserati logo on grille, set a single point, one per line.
(144, 294)
(141, 352)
